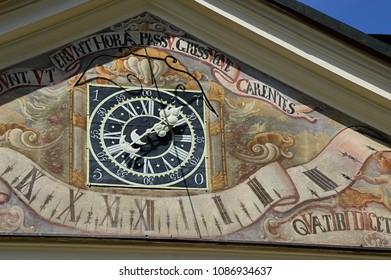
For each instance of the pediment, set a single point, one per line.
(193, 121)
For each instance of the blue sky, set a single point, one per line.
(368, 16)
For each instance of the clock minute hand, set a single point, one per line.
(170, 116)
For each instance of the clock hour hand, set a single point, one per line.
(159, 128)
(169, 118)
(127, 147)
(136, 138)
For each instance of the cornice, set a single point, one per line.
(326, 68)
(50, 32)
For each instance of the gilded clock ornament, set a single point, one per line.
(146, 138)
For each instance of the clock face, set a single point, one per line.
(146, 138)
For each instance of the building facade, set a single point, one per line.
(241, 130)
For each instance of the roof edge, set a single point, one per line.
(334, 27)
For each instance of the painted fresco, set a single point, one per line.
(231, 154)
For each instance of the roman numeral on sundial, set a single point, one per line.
(320, 179)
(109, 210)
(185, 222)
(259, 191)
(70, 210)
(26, 185)
(222, 210)
(48, 198)
(147, 214)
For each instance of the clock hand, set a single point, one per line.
(127, 147)
(136, 139)
(168, 118)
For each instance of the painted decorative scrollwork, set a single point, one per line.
(12, 218)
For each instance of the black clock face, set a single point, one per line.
(146, 138)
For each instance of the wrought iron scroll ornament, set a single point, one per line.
(125, 52)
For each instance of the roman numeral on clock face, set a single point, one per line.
(180, 122)
(114, 149)
(112, 135)
(116, 120)
(130, 109)
(127, 160)
(147, 168)
(178, 152)
(148, 107)
(186, 138)
(167, 164)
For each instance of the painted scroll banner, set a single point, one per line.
(244, 85)
(333, 169)
(104, 212)
(325, 224)
(205, 215)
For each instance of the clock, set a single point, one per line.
(146, 138)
